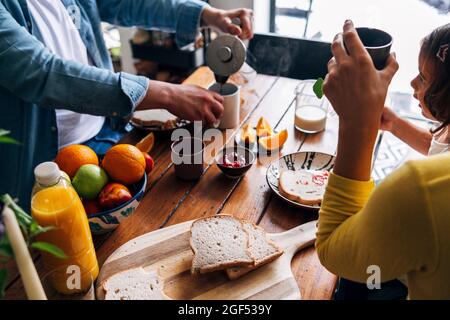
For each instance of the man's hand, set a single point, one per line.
(188, 102)
(222, 20)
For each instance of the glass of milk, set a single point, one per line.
(310, 111)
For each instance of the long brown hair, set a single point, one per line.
(437, 96)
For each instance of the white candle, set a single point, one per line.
(27, 270)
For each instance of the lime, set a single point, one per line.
(89, 181)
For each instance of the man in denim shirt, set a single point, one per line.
(34, 81)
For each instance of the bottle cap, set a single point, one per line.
(47, 173)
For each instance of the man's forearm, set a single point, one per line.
(180, 16)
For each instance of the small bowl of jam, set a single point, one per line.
(235, 161)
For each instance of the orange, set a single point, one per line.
(274, 142)
(71, 158)
(124, 163)
(146, 144)
(263, 128)
(248, 135)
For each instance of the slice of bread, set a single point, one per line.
(219, 242)
(155, 118)
(304, 186)
(133, 284)
(260, 247)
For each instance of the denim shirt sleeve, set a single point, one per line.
(179, 16)
(30, 71)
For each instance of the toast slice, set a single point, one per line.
(304, 186)
(160, 118)
(219, 242)
(133, 284)
(261, 248)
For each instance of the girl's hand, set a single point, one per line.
(388, 119)
(222, 20)
(354, 87)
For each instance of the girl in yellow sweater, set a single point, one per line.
(401, 227)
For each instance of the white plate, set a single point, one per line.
(295, 162)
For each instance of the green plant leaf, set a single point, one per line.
(3, 277)
(36, 229)
(318, 88)
(5, 247)
(8, 140)
(50, 248)
(4, 132)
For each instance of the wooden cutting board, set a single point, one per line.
(167, 252)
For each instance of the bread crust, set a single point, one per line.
(170, 123)
(235, 273)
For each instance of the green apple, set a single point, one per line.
(89, 181)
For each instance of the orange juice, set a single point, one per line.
(56, 203)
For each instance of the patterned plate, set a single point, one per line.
(298, 161)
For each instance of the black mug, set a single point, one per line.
(378, 43)
(187, 157)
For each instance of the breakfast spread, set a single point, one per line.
(304, 186)
(159, 118)
(222, 242)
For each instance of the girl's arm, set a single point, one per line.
(416, 137)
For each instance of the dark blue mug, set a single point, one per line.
(378, 43)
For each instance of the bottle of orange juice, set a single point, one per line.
(55, 203)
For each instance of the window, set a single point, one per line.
(288, 12)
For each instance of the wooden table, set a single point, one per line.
(169, 201)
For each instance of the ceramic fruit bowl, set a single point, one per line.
(109, 220)
(235, 161)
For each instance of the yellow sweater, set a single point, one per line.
(402, 226)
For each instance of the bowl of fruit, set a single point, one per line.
(110, 189)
